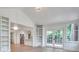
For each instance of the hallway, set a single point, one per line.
(23, 48)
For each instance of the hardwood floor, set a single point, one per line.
(23, 48)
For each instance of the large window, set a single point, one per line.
(76, 32)
(72, 32)
(56, 36)
(49, 36)
(69, 32)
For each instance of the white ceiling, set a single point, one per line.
(50, 15)
(20, 26)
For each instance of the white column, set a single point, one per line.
(34, 37)
(64, 37)
(72, 32)
(14, 37)
(44, 37)
(18, 37)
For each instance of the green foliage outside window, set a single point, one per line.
(68, 32)
(49, 36)
(57, 36)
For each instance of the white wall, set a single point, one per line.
(71, 45)
(16, 16)
(44, 37)
(35, 43)
(17, 37)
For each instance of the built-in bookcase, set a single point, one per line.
(4, 34)
(39, 31)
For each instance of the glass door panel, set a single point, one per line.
(55, 37)
(69, 32)
(58, 36)
(49, 37)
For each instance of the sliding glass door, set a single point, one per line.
(55, 38)
(49, 37)
(58, 36)
(67, 37)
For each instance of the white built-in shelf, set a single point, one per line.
(4, 34)
(39, 30)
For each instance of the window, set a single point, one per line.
(49, 36)
(72, 32)
(68, 32)
(57, 36)
(76, 32)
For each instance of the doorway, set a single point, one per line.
(55, 38)
(11, 37)
(22, 39)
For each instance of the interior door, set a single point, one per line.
(11, 37)
(21, 38)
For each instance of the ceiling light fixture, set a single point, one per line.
(38, 9)
(15, 27)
